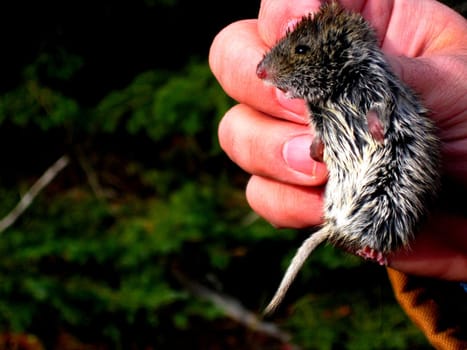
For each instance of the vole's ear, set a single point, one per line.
(375, 125)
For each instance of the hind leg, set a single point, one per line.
(372, 254)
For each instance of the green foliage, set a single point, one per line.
(163, 105)
(349, 318)
(135, 101)
(92, 265)
(34, 103)
(158, 103)
(60, 65)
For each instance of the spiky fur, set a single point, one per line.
(378, 190)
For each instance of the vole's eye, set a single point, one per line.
(302, 49)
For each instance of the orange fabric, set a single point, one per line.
(438, 308)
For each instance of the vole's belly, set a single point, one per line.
(359, 205)
(340, 209)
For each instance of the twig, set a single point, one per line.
(234, 310)
(91, 175)
(31, 194)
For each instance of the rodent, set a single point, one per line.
(371, 130)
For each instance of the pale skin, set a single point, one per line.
(267, 134)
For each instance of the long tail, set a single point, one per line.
(297, 262)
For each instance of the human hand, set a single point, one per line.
(267, 134)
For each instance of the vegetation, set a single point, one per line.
(128, 244)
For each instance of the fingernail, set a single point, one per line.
(296, 153)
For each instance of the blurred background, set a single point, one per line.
(140, 237)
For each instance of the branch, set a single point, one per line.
(91, 175)
(234, 310)
(35, 189)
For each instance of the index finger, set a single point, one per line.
(234, 55)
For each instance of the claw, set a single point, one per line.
(372, 254)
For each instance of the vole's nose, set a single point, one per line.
(261, 71)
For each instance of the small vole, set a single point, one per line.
(379, 146)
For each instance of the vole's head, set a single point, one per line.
(320, 55)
